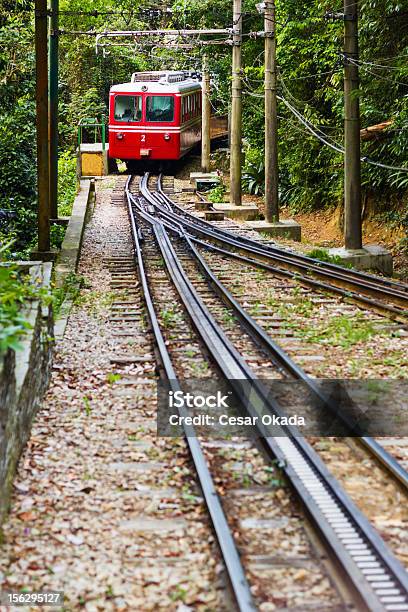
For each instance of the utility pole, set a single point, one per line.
(271, 116)
(352, 158)
(236, 108)
(206, 115)
(42, 125)
(53, 109)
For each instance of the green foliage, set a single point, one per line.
(170, 317)
(340, 331)
(57, 233)
(253, 176)
(324, 255)
(87, 405)
(67, 183)
(17, 120)
(311, 79)
(15, 291)
(12, 324)
(112, 378)
(217, 194)
(18, 173)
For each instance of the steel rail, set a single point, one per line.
(360, 281)
(225, 539)
(393, 311)
(396, 312)
(376, 575)
(363, 276)
(342, 282)
(276, 353)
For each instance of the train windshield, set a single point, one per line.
(159, 108)
(128, 108)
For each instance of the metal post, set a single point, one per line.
(42, 125)
(53, 109)
(352, 163)
(206, 115)
(236, 107)
(271, 118)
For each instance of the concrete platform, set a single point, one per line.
(286, 228)
(202, 175)
(213, 215)
(370, 257)
(46, 256)
(71, 247)
(204, 185)
(203, 181)
(244, 212)
(202, 206)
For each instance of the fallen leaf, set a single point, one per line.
(26, 516)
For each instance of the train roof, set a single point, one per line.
(159, 82)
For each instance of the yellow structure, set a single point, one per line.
(93, 160)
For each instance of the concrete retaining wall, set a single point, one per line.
(68, 258)
(24, 378)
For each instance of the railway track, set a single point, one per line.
(379, 581)
(383, 294)
(262, 339)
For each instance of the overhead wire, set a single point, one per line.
(397, 68)
(312, 128)
(289, 93)
(336, 147)
(244, 16)
(378, 76)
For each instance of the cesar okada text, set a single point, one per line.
(179, 399)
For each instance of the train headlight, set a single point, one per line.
(120, 136)
(167, 137)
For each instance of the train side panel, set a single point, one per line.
(190, 136)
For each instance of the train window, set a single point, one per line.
(128, 108)
(159, 108)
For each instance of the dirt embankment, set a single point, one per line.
(324, 228)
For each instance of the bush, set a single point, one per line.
(67, 183)
(18, 171)
(15, 290)
(57, 234)
(253, 176)
(324, 255)
(217, 194)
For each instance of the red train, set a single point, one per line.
(156, 116)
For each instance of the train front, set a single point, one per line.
(143, 124)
